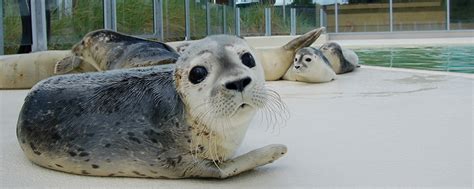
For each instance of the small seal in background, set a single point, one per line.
(311, 66)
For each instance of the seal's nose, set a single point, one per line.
(238, 85)
(297, 67)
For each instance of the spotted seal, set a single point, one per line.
(168, 121)
(107, 50)
(310, 65)
(342, 60)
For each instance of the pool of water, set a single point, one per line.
(437, 58)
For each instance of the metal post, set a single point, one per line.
(268, 22)
(336, 8)
(224, 17)
(110, 21)
(38, 25)
(391, 15)
(321, 17)
(1, 29)
(237, 21)
(208, 19)
(284, 11)
(292, 21)
(187, 21)
(158, 19)
(448, 15)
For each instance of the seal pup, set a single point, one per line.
(310, 65)
(276, 61)
(168, 121)
(107, 50)
(342, 60)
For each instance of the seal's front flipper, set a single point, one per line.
(67, 64)
(246, 162)
(304, 40)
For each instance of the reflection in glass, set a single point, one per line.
(71, 20)
(417, 15)
(135, 17)
(461, 14)
(364, 16)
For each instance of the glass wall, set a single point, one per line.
(16, 23)
(461, 14)
(364, 16)
(419, 15)
(308, 17)
(252, 19)
(280, 16)
(68, 21)
(135, 16)
(173, 20)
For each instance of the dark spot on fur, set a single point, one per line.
(37, 153)
(134, 139)
(138, 173)
(117, 123)
(56, 137)
(80, 149)
(189, 140)
(107, 145)
(95, 166)
(33, 147)
(82, 154)
(111, 175)
(59, 165)
(154, 140)
(154, 172)
(87, 160)
(151, 164)
(121, 172)
(72, 154)
(85, 172)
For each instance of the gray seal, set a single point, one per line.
(107, 50)
(342, 60)
(169, 121)
(311, 66)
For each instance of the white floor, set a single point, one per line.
(374, 127)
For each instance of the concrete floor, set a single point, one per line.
(375, 127)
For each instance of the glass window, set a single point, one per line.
(173, 20)
(417, 15)
(252, 19)
(280, 19)
(216, 12)
(364, 16)
(197, 18)
(308, 16)
(461, 14)
(68, 21)
(135, 17)
(16, 27)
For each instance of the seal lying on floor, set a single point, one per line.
(168, 121)
(107, 50)
(311, 66)
(342, 60)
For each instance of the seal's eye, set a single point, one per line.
(296, 59)
(247, 59)
(308, 59)
(197, 74)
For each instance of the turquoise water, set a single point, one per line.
(437, 58)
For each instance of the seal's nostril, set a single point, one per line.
(297, 67)
(238, 85)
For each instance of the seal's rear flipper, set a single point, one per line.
(304, 40)
(67, 65)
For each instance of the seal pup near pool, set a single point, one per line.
(310, 65)
(169, 121)
(107, 50)
(342, 60)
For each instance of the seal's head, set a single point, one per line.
(219, 78)
(332, 51)
(307, 58)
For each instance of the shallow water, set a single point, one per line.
(437, 58)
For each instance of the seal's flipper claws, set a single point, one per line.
(304, 40)
(67, 64)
